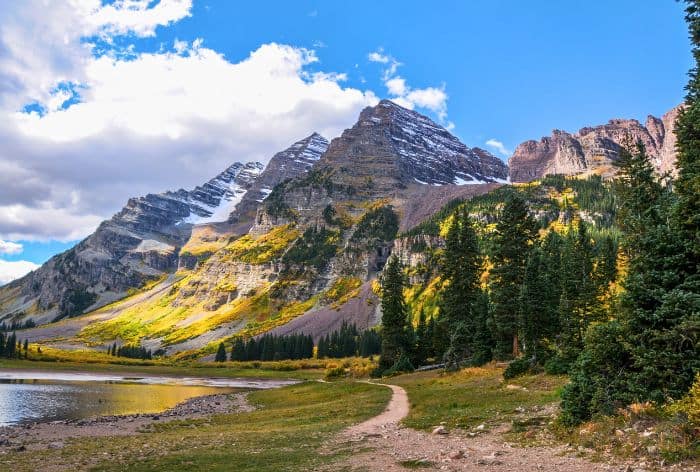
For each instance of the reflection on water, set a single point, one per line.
(41, 400)
(50, 396)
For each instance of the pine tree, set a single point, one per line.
(394, 314)
(220, 353)
(238, 351)
(533, 309)
(460, 269)
(514, 234)
(422, 340)
(687, 185)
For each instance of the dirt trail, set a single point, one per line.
(396, 410)
(382, 443)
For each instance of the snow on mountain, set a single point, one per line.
(215, 200)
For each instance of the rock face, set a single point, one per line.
(390, 147)
(142, 241)
(293, 162)
(594, 149)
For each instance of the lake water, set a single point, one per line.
(27, 396)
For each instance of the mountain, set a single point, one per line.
(594, 149)
(304, 242)
(139, 243)
(293, 162)
(393, 147)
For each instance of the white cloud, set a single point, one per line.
(378, 56)
(152, 122)
(11, 270)
(498, 146)
(8, 247)
(396, 86)
(140, 17)
(429, 98)
(41, 41)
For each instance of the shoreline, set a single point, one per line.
(145, 378)
(55, 434)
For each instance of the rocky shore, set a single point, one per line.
(54, 434)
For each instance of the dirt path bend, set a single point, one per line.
(396, 410)
(382, 443)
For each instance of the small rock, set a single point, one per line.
(481, 427)
(455, 455)
(652, 449)
(520, 409)
(56, 445)
(155, 417)
(440, 430)
(619, 433)
(20, 448)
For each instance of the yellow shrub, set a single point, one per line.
(264, 248)
(690, 404)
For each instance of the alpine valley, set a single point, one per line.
(297, 245)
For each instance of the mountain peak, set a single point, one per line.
(399, 146)
(293, 162)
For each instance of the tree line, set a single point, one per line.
(347, 342)
(542, 294)
(15, 325)
(130, 351)
(344, 342)
(13, 348)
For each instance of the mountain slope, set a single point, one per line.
(322, 224)
(140, 242)
(293, 162)
(594, 149)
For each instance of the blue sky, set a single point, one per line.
(109, 101)
(513, 70)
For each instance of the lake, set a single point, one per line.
(30, 396)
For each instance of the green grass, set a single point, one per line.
(284, 434)
(473, 396)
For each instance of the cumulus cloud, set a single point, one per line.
(140, 17)
(429, 98)
(148, 122)
(498, 146)
(43, 42)
(8, 247)
(11, 270)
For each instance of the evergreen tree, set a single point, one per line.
(533, 310)
(394, 313)
(220, 353)
(460, 269)
(514, 234)
(422, 340)
(238, 351)
(687, 185)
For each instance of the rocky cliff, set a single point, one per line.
(594, 149)
(291, 163)
(140, 242)
(390, 147)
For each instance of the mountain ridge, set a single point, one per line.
(595, 148)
